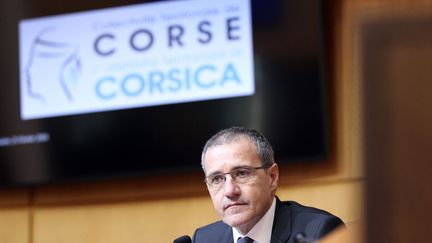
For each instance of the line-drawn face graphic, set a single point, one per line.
(53, 68)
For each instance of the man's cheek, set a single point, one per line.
(217, 204)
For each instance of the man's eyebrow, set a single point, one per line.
(232, 169)
(215, 173)
(240, 167)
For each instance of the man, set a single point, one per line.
(242, 178)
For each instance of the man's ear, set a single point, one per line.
(274, 176)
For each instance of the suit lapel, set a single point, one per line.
(226, 235)
(281, 231)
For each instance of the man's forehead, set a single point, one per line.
(236, 146)
(231, 155)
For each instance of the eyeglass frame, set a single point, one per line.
(213, 186)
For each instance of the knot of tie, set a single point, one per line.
(245, 240)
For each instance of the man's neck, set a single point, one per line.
(245, 228)
(261, 229)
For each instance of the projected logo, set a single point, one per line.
(135, 56)
(55, 84)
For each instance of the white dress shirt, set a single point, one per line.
(261, 232)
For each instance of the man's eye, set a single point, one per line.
(216, 179)
(243, 172)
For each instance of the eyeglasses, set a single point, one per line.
(240, 175)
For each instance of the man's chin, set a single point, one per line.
(235, 220)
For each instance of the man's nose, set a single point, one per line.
(231, 188)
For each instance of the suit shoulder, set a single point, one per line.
(219, 225)
(314, 222)
(296, 207)
(213, 233)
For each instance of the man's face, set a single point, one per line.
(240, 205)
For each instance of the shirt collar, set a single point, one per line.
(261, 232)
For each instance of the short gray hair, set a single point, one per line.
(228, 135)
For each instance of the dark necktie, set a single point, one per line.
(245, 240)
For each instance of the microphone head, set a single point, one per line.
(183, 239)
(301, 238)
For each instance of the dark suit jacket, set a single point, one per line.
(290, 219)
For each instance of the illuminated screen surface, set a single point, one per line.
(116, 88)
(135, 56)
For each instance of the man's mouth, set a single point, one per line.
(229, 205)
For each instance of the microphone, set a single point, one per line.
(183, 239)
(301, 238)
